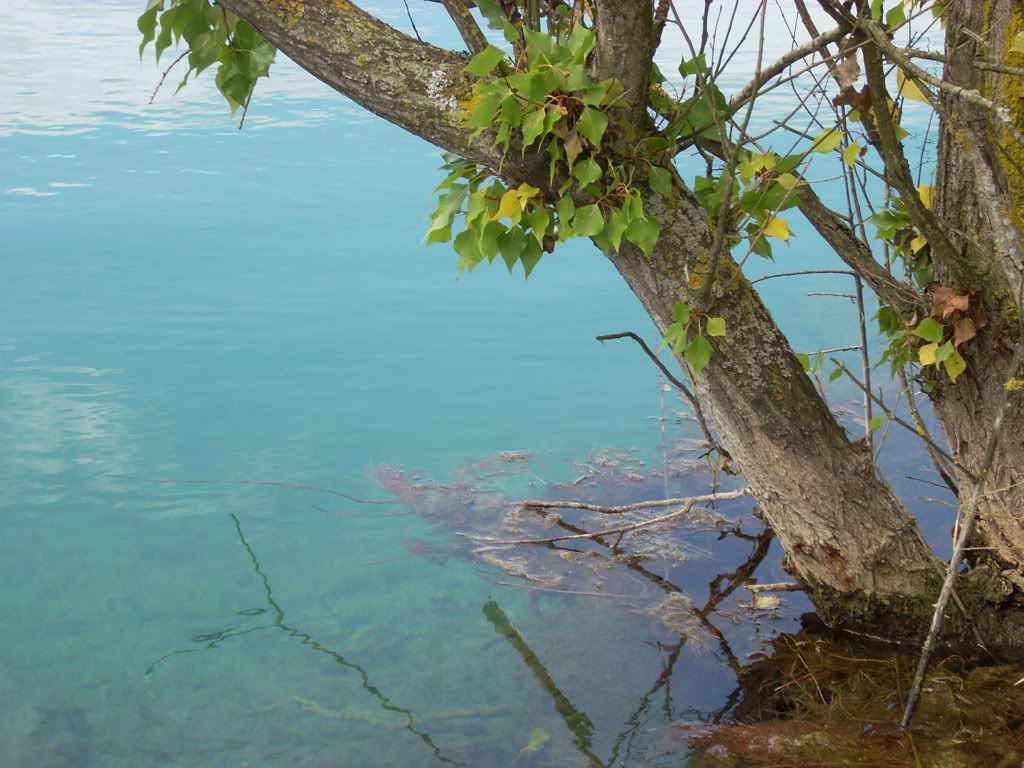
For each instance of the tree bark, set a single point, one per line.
(980, 196)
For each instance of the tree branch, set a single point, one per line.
(783, 63)
(690, 501)
(897, 169)
(856, 254)
(494, 544)
(411, 84)
(879, 38)
(625, 48)
(466, 24)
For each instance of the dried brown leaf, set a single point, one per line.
(848, 71)
(946, 301)
(963, 330)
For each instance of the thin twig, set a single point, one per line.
(922, 429)
(690, 500)
(164, 75)
(493, 545)
(409, 14)
(804, 272)
(865, 359)
(698, 413)
(906, 425)
(256, 482)
(782, 586)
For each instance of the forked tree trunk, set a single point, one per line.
(845, 533)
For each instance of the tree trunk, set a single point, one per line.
(980, 195)
(844, 531)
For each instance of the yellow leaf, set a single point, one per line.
(788, 181)
(525, 192)
(1018, 43)
(908, 89)
(918, 243)
(955, 365)
(927, 353)
(851, 153)
(927, 194)
(777, 227)
(538, 738)
(509, 206)
(765, 602)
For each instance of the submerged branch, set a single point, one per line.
(686, 500)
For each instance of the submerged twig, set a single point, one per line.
(297, 486)
(636, 506)
(495, 545)
(782, 586)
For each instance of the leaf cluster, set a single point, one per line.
(688, 332)
(213, 35)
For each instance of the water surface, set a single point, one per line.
(182, 300)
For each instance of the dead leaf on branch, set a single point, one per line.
(848, 71)
(963, 330)
(946, 301)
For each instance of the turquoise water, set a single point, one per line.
(181, 300)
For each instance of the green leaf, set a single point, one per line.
(896, 16)
(147, 26)
(580, 42)
(828, 140)
(587, 171)
(533, 126)
(945, 352)
(643, 232)
(482, 118)
(492, 12)
(805, 361)
(484, 62)
(589, 221)
(876, 9)
(888, 320)
(954, 365)
(531, 255)
(538, 218)
(876, 422)
(716, 326)
(693, 66)
(616, 228)
(835, 374)
(566, 209)
(698, 354)
(511, 245)
(681, 312)
(661, 181)
(468, 249)
(592, 125)
(930, 329)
